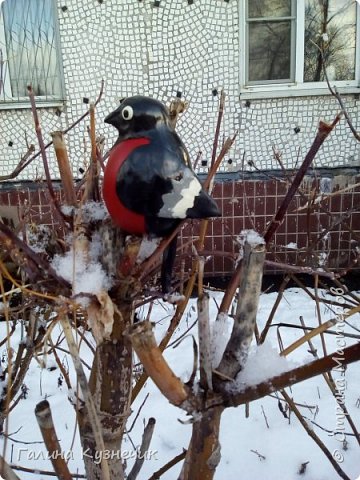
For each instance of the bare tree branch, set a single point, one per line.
(312, 369)
(324, 130)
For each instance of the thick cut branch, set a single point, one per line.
(6, 471)
(236, 351)
(110, 380)
(144, 343)
(47, 428)
(66, 175)
(110, 386)
(204, 342)
(91, 191)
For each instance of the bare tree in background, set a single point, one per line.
(334, 32)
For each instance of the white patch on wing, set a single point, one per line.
(182, 197)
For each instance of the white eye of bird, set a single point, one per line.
(127, 113)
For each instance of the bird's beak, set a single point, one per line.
(204, 207)
(110, 119)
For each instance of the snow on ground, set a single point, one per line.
(260, 448)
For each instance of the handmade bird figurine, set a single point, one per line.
(149, 184)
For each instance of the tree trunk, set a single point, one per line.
(203, 455)
(110, 384)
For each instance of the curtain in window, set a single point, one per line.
(31, 47)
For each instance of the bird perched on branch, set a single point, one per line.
(149, 184)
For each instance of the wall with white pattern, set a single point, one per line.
(164, 48)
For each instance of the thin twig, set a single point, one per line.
(18, 168)
(145, 443)
(332, 386)
(218, 126)
(128, 430)
(299, 269)
(313, 435)
(76, 122)
(43, 153)
(157, 475)
(38, 472)
(336, 94)
(327, 332)
(274, 308)
(236, 351)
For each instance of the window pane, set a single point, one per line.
(330, 24)
(31, 47)
(269, 50)
(269, 8)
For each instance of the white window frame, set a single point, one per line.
(11, 102)
(298, 87)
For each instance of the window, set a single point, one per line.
(283, 42)
(29, 51)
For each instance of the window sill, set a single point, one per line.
(277, 91)
(21, 105)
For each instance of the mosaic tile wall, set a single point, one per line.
(161, 48)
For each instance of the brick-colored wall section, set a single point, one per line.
(331, 232)
(32, 200)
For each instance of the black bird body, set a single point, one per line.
(149, 185)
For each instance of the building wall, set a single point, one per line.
(327, 236)
(177, 47)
